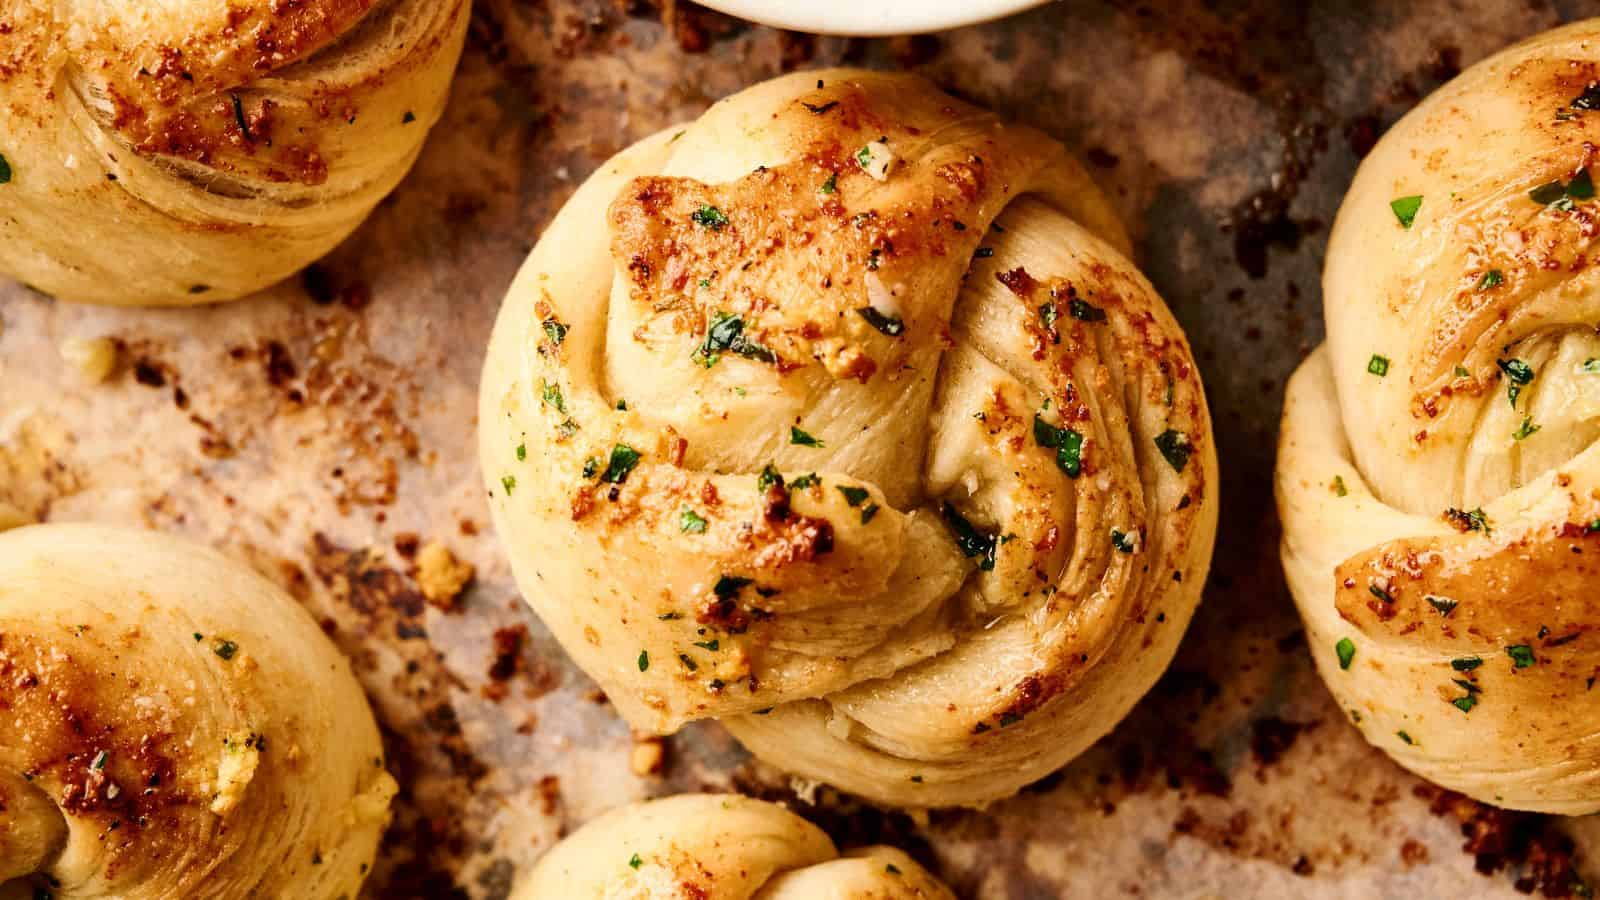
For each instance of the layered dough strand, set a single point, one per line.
(173, 153)
(173, 725)
(719, 848)
(1439, 474)
(841, 416)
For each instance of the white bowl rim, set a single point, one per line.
(869, 18)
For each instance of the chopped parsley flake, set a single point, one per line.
(5, 170)
(100, 760)
(831, 185)
(225, 649)
(712, 645)
(691, 522)
(1405, 209)
(891, 868)
(1378, 365)
(892, 326)
(1465, 703)
(868, 512)
(726, 334)
(803, 439)
(1048, 316)
(1380, 593)
(1591, 366)
(688, 663)
(1519, 373)
(971, 541)
(552, 396)
(1404, 737)
(635, 862)
(1473, 520)
(1491, 280)
(805, 481)
(1122, 540)
(623, 459)
(522, 452)
(1338, 486)
(644, 660)
(590, 467)
(1084, 311)
(1444, 605)
(1521, 655)
(1466, 663)
(768, 477)
(1175, 446)
(710, 217)
(509, 482)
(1067, 443)
(854, 495)
(1346, 649)
(1525, 430)
(555, 331)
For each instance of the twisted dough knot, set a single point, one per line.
(1439, 476)
(727, 847)
(173, 725)
(856, 430)
(168, 153)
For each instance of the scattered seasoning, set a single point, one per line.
(802, 438)
(1461, 372)
(1560, 196)
(854, 495)
(5, 170)
(1519, 373)
(1466, 663)
(688, 663)
(1122, 540)
(100, 760)
(1405, 209)
(238, 115)
(729, 586)
(1465, 703)
(644, 660)
(831, 185)
(623, 459)
(1525, 430)
(1589, 99)
(805, 481)
(522, 452)
(225, 649)
(1591, 366)
(1175, 446)
(971, 541)
(509, 482)
(590, 467)
(1548, 193)
(1067, 443)
(555, 331)
(1404, 737)
(874, 159)
(819, 109)
(691, 522)
(1378, 365)
(1474, 520)
(1491, 280)
(1380, 593)
(1048, 316)
(1444, 605)
(1521, 655)
(408, 118)
(710, 217)
(1084, 311)
(726, 333)
(1338, 486)
(916, 779)
(868, 512)
(892, 326)
(670, 616)
(552, 396)
(983, 253)
(891, 868)
(768, 477)
(712, 645)
(1346, 649)
(635, 862)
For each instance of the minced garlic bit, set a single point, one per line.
(441, 576)
(241, 756)
(648, 756)
(94, 358)
(874, 159)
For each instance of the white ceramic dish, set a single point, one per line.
(870, 17)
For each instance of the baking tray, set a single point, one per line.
(325, 430)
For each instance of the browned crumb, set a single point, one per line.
(441, 576)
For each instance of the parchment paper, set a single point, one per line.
(322, 430)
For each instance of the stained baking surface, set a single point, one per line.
(324, 433)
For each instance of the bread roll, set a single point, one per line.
(1439, 475)
(840, 415)
(173, 725)
(719, 848)
(172, 153)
